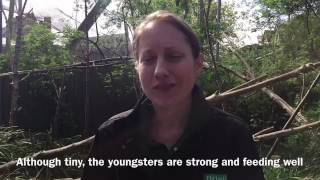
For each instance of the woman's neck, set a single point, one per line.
(169, 123)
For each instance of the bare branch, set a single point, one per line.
(246, 84)
(244, 62)
(62, 12)
(11, 166)
(23, 7)
(286, 132)
(316, 80)
(300, 118)
(96, 45)
(303, 69)
(263, 131)
(233, 72)
(115, 61)
(25, 77)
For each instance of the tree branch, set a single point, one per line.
(271, 94)
(300, 118)
(302, 69)
(248, 83)
(244, 62)
(233, 72)
(114, 61)
(263, 131)
(11, 166)
(316, 80)
(286, 132)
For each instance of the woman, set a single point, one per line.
(172, 122)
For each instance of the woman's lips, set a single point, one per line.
(164, 86)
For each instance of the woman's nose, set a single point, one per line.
(161, 69)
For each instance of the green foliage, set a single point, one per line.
(69, 34)
(40, 50)
(15, 143)
(133, 12)
(4, 63)
(120, 81)
(314, 112)
(284, 6)
(285, 174)
(286, 45)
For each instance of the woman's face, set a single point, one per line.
(166, 67)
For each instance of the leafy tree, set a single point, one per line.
(41, 49)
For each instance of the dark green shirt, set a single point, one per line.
(210, 137)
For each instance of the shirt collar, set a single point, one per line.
(198, 115)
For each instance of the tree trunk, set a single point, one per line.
(201, 14)
(211, 44)
(86, 100)
(14, 68)
(186, 9)
(218, 19)
(96, 11)
(60, 91)
(90, 19)
(9, 27)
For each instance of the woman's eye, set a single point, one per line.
(174, 57)
(147, 60)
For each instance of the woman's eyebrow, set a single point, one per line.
(147, 52)
(172, 48)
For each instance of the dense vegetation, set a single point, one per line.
(291, 39)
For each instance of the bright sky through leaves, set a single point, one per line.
(53, 8)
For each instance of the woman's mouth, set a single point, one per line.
(164, 86)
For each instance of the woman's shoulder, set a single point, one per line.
(229, 133)
(226, 123)
(115, 119)
(118, 123)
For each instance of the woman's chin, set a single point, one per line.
(164, 103)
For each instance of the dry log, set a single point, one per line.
(286, 132)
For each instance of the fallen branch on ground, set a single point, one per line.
(11, 166)
(290, 110)
(290, 120)
(286, 132)
(302, 69)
